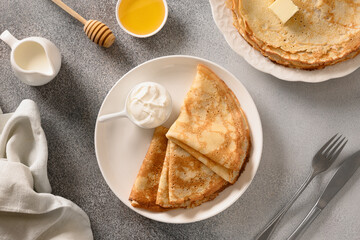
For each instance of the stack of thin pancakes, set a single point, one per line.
(203, 152)
(321, 33)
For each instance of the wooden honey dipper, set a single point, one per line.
(98, 32)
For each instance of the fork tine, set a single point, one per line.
(333, 149)
(333, 155)
(332, 145)
(327, 144)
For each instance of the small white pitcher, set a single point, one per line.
(34, 60)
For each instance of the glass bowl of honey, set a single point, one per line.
(141, 18)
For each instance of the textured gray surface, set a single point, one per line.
(297, 118)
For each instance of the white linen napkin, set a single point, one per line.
(27, 209)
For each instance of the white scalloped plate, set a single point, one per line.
(224, 21)
(120, 146)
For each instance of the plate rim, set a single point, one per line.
(259, 145)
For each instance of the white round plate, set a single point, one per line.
(121, 146)
(224, 20)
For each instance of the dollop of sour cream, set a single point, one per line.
(149, 104)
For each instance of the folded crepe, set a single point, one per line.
(145, 188)
(212, 126)
(185, 182)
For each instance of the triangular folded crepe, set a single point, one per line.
(144, 191)
(186, 182)
(189, 179)
(212, 126)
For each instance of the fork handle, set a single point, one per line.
(270, 227)
(305, 223)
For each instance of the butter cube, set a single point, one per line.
(284, 9)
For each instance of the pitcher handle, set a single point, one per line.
(8, 38)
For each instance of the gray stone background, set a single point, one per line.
(297, 119)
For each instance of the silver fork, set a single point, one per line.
(320, 163)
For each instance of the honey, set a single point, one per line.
(141, 17)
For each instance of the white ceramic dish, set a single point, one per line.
(145, 35)
(224, 20)
(121, 146)
(34, 60)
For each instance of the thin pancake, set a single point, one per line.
(182, 187)
(189, 179)
(212, 127)
(144, 191)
